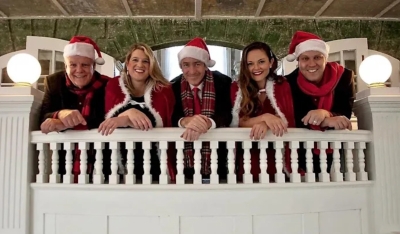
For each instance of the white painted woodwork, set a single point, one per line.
(323, 175)
(54, 177)
(83, 177)
(231, 162)
(294, 176)
(163, 162)
(279, 176)
(349, 175)
(146, 179)
(247, 176)
(197, 162)
(130, 178)
(336, 175)
(98, 177)
(68, 178)
(263, 177)
(180, 177)
(380, 114)
(214, 177)
(115, 157)
(310, 176)
(19, 112)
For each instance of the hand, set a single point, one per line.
(190, 135)
(337, 122)
(276, 124)
(198, 123)
(109, 125)
(137, 119)
(258, 131)
(315, 117)
(71, 118)
(51, 125)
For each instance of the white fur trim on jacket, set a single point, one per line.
(236, 109)
(126, 99)
(270, 90)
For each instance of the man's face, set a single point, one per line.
(193, 70)
(312, 65)
(79, 69)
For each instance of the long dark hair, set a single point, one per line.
(247, 85)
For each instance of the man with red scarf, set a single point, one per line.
(202, 103)
(74, 98)
(323, 92)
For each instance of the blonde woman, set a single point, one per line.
(140, 98)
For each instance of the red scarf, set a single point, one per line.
(333, 72)
(88, 92)
(207, 109)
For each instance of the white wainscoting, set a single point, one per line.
(335, 208)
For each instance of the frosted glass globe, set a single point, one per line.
(375, 69)
(23, 68)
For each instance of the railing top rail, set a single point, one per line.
(221, 134)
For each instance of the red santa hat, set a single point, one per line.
(305, 41)
(197, 49)
(83, 46)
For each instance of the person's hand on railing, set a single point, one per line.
(52, 125)
(71, 118)
(137, 119)
(337, 122)
(258, 131)
(198, 123)
(190, 135)
(315, 117)
(108, 126)
(276, 124)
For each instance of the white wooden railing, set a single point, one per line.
(347, 166)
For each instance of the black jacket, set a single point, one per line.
(57, 97)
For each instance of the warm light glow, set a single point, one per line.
(23, 69)
(375, 70)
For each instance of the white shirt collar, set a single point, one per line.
(200, 86)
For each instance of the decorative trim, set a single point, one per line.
(154, 112)
(236, 109)
(269, 87)
(127, 98)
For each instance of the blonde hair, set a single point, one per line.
(155, 78)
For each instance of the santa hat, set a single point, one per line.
(196, 49)
(305, 41)
(83, 46)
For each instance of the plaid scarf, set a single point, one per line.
(207, 109)
(87, 92)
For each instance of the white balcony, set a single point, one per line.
(359, 194)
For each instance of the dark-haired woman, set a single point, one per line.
(261, 101)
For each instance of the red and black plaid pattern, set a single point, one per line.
(207, 109)
(86, 93)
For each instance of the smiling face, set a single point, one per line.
(193, 70)
(138, 66)
(79, 70)
(312, 65)
(259, 66)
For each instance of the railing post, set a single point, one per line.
(19, 112)
(378, 110)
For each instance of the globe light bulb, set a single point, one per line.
(23, 69)
(375, 70)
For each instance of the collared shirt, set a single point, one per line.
(200, 94)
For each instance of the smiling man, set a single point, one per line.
(323, 92)
(202, 102)
(74, 98)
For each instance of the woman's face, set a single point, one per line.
(138, 66)
(258, 65)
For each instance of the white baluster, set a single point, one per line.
(349, 175)
(147, 178)
(130, 177)
(164, 179)
(54, 177)
(197, 162)
(68, 178)
(180, 177)
(294, 162)
(114, 177)
(42, 176)
(310, 176)
(83, 177)
(279, 176)
(362, 175)
(323, 175)
(231, 162)
(247, 176)
(336, 175)
(214, 177)
(263, 177)
(98, 177)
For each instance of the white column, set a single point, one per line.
(68, 178)
(83, 177)
(214, 177)
(247, 176)
(19, 112)
(349, 175)
(147, 178)
(279, 176)
(263, 177)
(54, 177)
(130, 177)
(231, 162)
(378, 110)
(197, 162)
(310, 176)
(98, 177)
(114, 177)
(336, 175)
(180, 177)
(323, 175)
(294, 162)
(164, 179)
